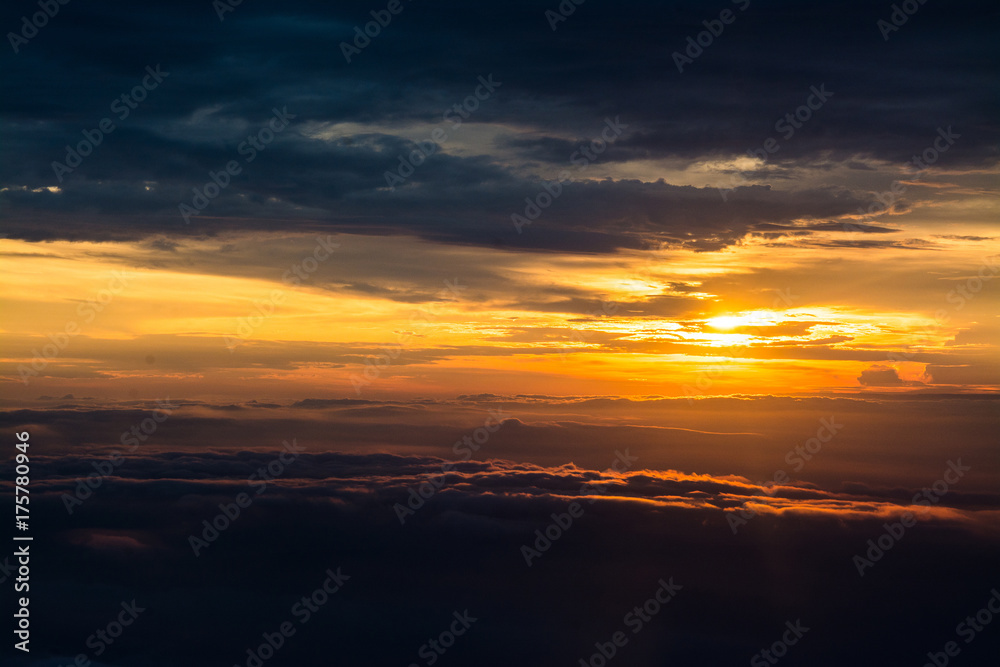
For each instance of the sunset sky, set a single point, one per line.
(834, 263)
(702, 233)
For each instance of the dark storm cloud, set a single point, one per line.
(557, 89)
(830, 226)
(475, 208)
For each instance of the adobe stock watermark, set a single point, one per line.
(265, 308)
(787, 125)
(958, 297)
(967, 629)
(972, 286)
(707, 376)
(372, 29)
(893, 532)
(435, 648)
(302, 611)
(454, 115)
(901, 13)
(545, 538)
(88, 311)
(132, 438)
(779, 649)
(376, 364)
(122, 106)
(609, 308)
(565, 9)
(230, 512)
(917, 165)
(223, 7)
(704, 39)
(248, 148)
(103, 638)
(635, 620)
(464, 448)
(30, 27)
(581, 159)
(796, 457)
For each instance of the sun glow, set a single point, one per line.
(755, 318)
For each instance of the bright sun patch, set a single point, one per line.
(755, 318)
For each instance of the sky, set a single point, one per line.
(753, 244)
(693, 224)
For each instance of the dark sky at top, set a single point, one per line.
(607, 60)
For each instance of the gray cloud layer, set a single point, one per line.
(557, 89)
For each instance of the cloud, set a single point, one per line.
(666, 433)
(884, 376)
(353, 121)
(462, 549)
(962, 374)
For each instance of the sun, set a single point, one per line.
(725, 322)
(753, 318)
